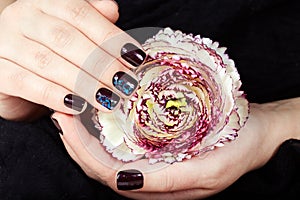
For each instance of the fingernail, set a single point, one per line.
(107, 98)
(132, 54)
(55, 122)
(124, 83)
(130, 180)
(75, 102)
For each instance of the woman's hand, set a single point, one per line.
(267, 127)
(62, 54)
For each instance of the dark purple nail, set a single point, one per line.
(130, 180)
(132, 54)
(124, 83)
(56, 124)
(107, 98)
(75, 102)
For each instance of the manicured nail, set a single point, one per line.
(130, 180)
(107, 98)
(75, 102)
(133, 54)
(124, 83)
(56, 124)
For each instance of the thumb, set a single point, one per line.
(108, 8)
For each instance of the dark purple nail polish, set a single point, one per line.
(74, 102)
(124, 83)
(56, 124)
(107, 98)
(130, 179)
(132, 54)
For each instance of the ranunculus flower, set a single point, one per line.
(188, 102)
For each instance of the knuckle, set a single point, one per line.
(213, 179)
(46, 92)
(108, 35)
(168, 184)
(77, 12)
(62, 36)
(17, 79)
(212, 183)
(43, 59)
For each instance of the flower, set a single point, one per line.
(188, 102)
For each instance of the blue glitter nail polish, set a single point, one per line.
(124, 83)
(107, 98)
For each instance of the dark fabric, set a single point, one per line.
(262, 36)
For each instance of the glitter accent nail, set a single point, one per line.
(124, 83)
(107, 98)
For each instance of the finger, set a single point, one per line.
(164, 180)
(98, 29)
(86, 148)
(199, 172)
(58, 36)
(45, 63)
(17, 81)
(108, 8)
(214, 170)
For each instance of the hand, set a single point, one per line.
(53, 54)
(199, 177)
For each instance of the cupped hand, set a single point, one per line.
(62, 55)
(196, 178)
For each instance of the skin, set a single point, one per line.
(40, 65)
(5, 3)
(268, 126)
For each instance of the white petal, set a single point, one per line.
(123, 153)
(114, 135)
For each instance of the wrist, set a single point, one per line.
(285, 117)
(274, 123)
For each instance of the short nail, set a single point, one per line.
(107, 98)
(75, 102)
(132, 54)
(55, 122)
(130, 180)
(124, 83)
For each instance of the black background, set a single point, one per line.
(261, 36)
